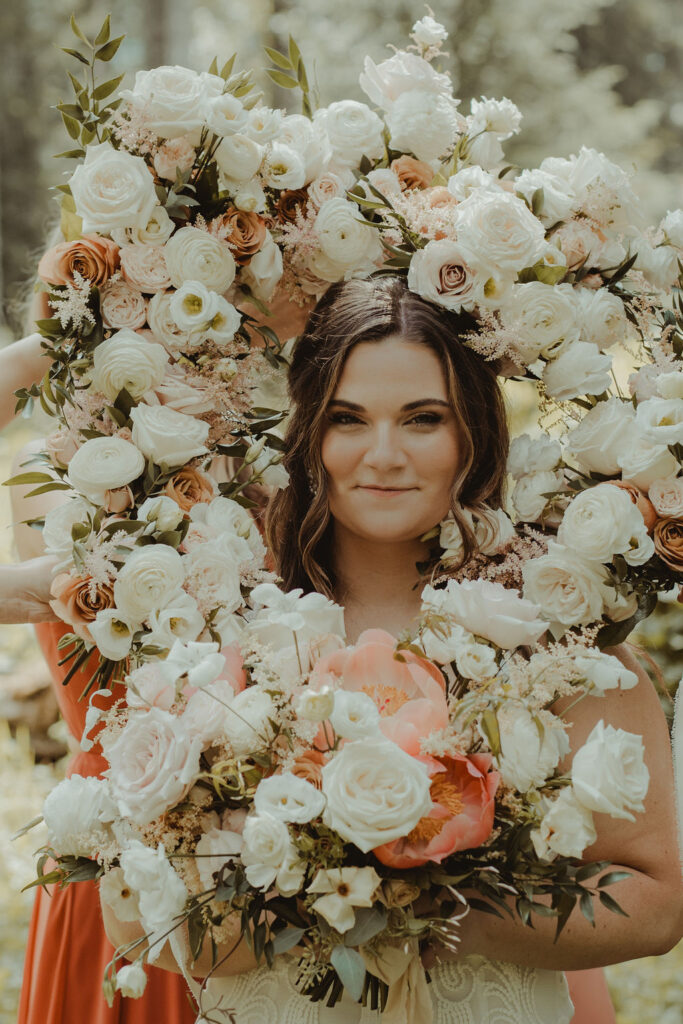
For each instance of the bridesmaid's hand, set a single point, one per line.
(25, 591)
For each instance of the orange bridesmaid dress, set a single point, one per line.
(67, 949)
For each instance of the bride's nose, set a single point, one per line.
(384, 451)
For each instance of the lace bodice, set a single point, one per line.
(472, 991)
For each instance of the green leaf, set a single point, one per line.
(279, 59)
(72, 109)
(611, 904)
(294, 52)
(77, 86)
(70, 154)
(105, 53)
(72, 126)
(302, 76)
(104, 33)
(77, 55)
(77, 31)
(87, 135)
(586, 904)
(489, 723)
(370, 921)
(26, 828)
(281, 79)
(46, 488)
(285, 939)
(537, 201)
(589, 870)
(213, 67)
(613, 876)
(226, 70)
(28, 478)
(350, 968)
(107, 88)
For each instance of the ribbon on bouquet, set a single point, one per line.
(401, 969)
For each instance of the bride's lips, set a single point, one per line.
(385, 492)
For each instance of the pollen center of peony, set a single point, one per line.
(449, 796)
(387, 698)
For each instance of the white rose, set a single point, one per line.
(529, 496)
(58, 523)
(168, 437)
(447, 274)
(213, 850)
(264, 124)
(643, 462)
(403, 72)
(131, 980)
(121, 306)
(665, 494)
(164, 512)
(161, 893)
(179, 620)
(493, 529)
(569, 590)
(102, 464)
(600, 522)
(660, 420)
(672, 226)
(246, 724)
(77, 813)
(112, 189)
(165, 329)
(543, 317)
(580, 370)
(604, 672)
(173, 100)
(288, 798)
(355, 715)
(315, 705)
(239, 158)
(375, 793)
(602, 436)
(428, 32)
(125, 360)
(603, 189)
(283, 168)
(264, 270)
(469, 179)
(529, 755)
(353, 130)
(670, 385)
(225, 114)
(331, 186)
(475, 661)
(212, 571)
(175, 155)
(343, 235)
(528, 454)
(489, 610)
(119, 896)
(150, 577)
(558, 196)
(153, 762)
(423, 123)
(485, 149)
(658, 264)
(309, 140)
(144, 267)
(566, 829)
(501, 230)
(602, 317)
(195, 255)
(266, 847)
(112, 633)
(501, 118)
(609, 774)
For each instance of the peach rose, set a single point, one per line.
(244, 232)
(440, 197)
(118, 499)
(61, 447)
(668, 538)
(93, 257)
(462, 791)
(409, 691)
(309, 767)
(122, 306)
(144, 268)
(411, 173)
(188, 487)
(640, 500)
(78, 599)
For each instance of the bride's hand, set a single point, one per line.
(25, 591)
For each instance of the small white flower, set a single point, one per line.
(344, 888)
(604, 672)
(288, 798)
(161, 511)
(283, 168)
(116, 893)
(112, 633)
(315, 705)
(355, 715)
(267, 846)
(131, 980)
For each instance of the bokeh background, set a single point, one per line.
(602, 73)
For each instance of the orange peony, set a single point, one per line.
(93, 257)
(463, 791)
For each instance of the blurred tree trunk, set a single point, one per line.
(156, 27)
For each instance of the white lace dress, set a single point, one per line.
(472, 991)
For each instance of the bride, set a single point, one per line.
(395, 424)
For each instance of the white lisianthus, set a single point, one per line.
(447, 274)
(665, 494)
(402, 72)
(112, 633)
(475, 661)
(251, 197)
(168, 437)
(543, 316)
(225, 114)
(246, 723)
(570, 591)
(264, 270)
(149, 579)
(283, 167)
(566, 828)
(264, 124)
(153, 762)
(278, 615)
(580, 370)
(213, 850)
(355, 715)
(59, 521)
(288, 798)
(239, 158)
(195, 255)
(344, 889)
(375, 792)
(501, 118)
(77, 814)
(315, 705)
(470, 179)
(179, 620)
(609, 774)
(174, 100)
(131, 980)
(529, 496)
(672, 226)
(602, 317)
(195, 309)
(161, 893)
(309, 140)
(528, 454)
(601, 522)
(165, 513)
(604, 672)
(266, 847)
(660, 420)
(423, 123)
(125, 360)
(529, 753)
(489, 610)
(112, 189)
(165, 329)
(353, 131)
(643, 462)
(659, 265)
(102, 464)
(443, 646)
(343, 235)
(501, 230)
(602, 436)
(558, 196)
(428, 32)
(119, 896)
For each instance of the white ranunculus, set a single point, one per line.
(501, 118)
(558, 196)
(660, 420)
(164, 512)
(168, 437)
(173, 100)
(179, 620)
(602, 317)
(602, 436)
(609, 774)
(423, 123)
(102, 464)
(528, 454)
(246, 724)
(344, 889)
(601, 522)
(77, 813)
(239, 157)
(161, 893)
(153, 762)
(672, 226)
(529, 754)
(475, 661)
(580, 370)
(355, 715)
(309, 140)
(119, 896)
(445, 273)
(529, 496)
(604, 672)
(566, 828)
(501, 230)
(59, 522)
(283, 167)
(264, 270)
(353, 130)
(112, 633)
(666, 494)
(225, 114)
(659, 265)
(343, 235)
(149, 579)
(315, 705)
(670, 385)
(112, 189)
(126, 360)
(213, 850)
(489, 610)
(402, 72)
(131, 980)
(428, 32)
(195, 255)
(643, 462)
(250, 197)
(165, 329)
(569, 590)
(544, 317)
(470, 179)
(266, 847)
(375, 792)
(288, 798)
(264, 124)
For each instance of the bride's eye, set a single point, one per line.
(426, 419)
(343, 418)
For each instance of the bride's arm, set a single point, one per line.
(647, 848)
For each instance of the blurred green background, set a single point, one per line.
(602, 73)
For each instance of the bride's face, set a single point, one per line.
(390, 447)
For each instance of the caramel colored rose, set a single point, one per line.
(188, 487)
(78, 599)
(244, 232)
(309, 767)
(640, 500)
(668, 538)
(290, 202)
(412, 173)
(93, 257)
(396, 892)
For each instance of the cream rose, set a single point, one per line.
(569, 590)
(602, 436)
(558, 196)
(168, 437)
(609, 774)
(528, 454)
(353, 130)
(288, 798)
(643, 462)
(602, 317)
(175, 155)
(543, 318)
(266, 847)
(384, 83)
(112, 189)
(174, 101)
(102, 464)
(446, 274)
(503, 232)
(528, 756)
(122, 306)
(489, 610)
(423, 123)
(149, 580)
(125, 360)
(580, 370)
(195, 255)
(566, 828)
(529, 496)
(666, 495)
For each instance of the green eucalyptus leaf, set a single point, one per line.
(279, 59)
(370, 921)
(107, 88)
(213, 67)
(103, 35)
(226, 70)
(78, 32)
(281, 79)
(77, 55)
(350, 968)
(107, 52)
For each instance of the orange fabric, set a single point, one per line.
(589, 994)
(67, 947)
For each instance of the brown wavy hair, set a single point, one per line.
(298, 526)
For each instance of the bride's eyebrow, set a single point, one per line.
(354, 407)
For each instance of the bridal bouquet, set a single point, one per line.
(303, 792)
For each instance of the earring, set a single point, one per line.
(312, 483)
